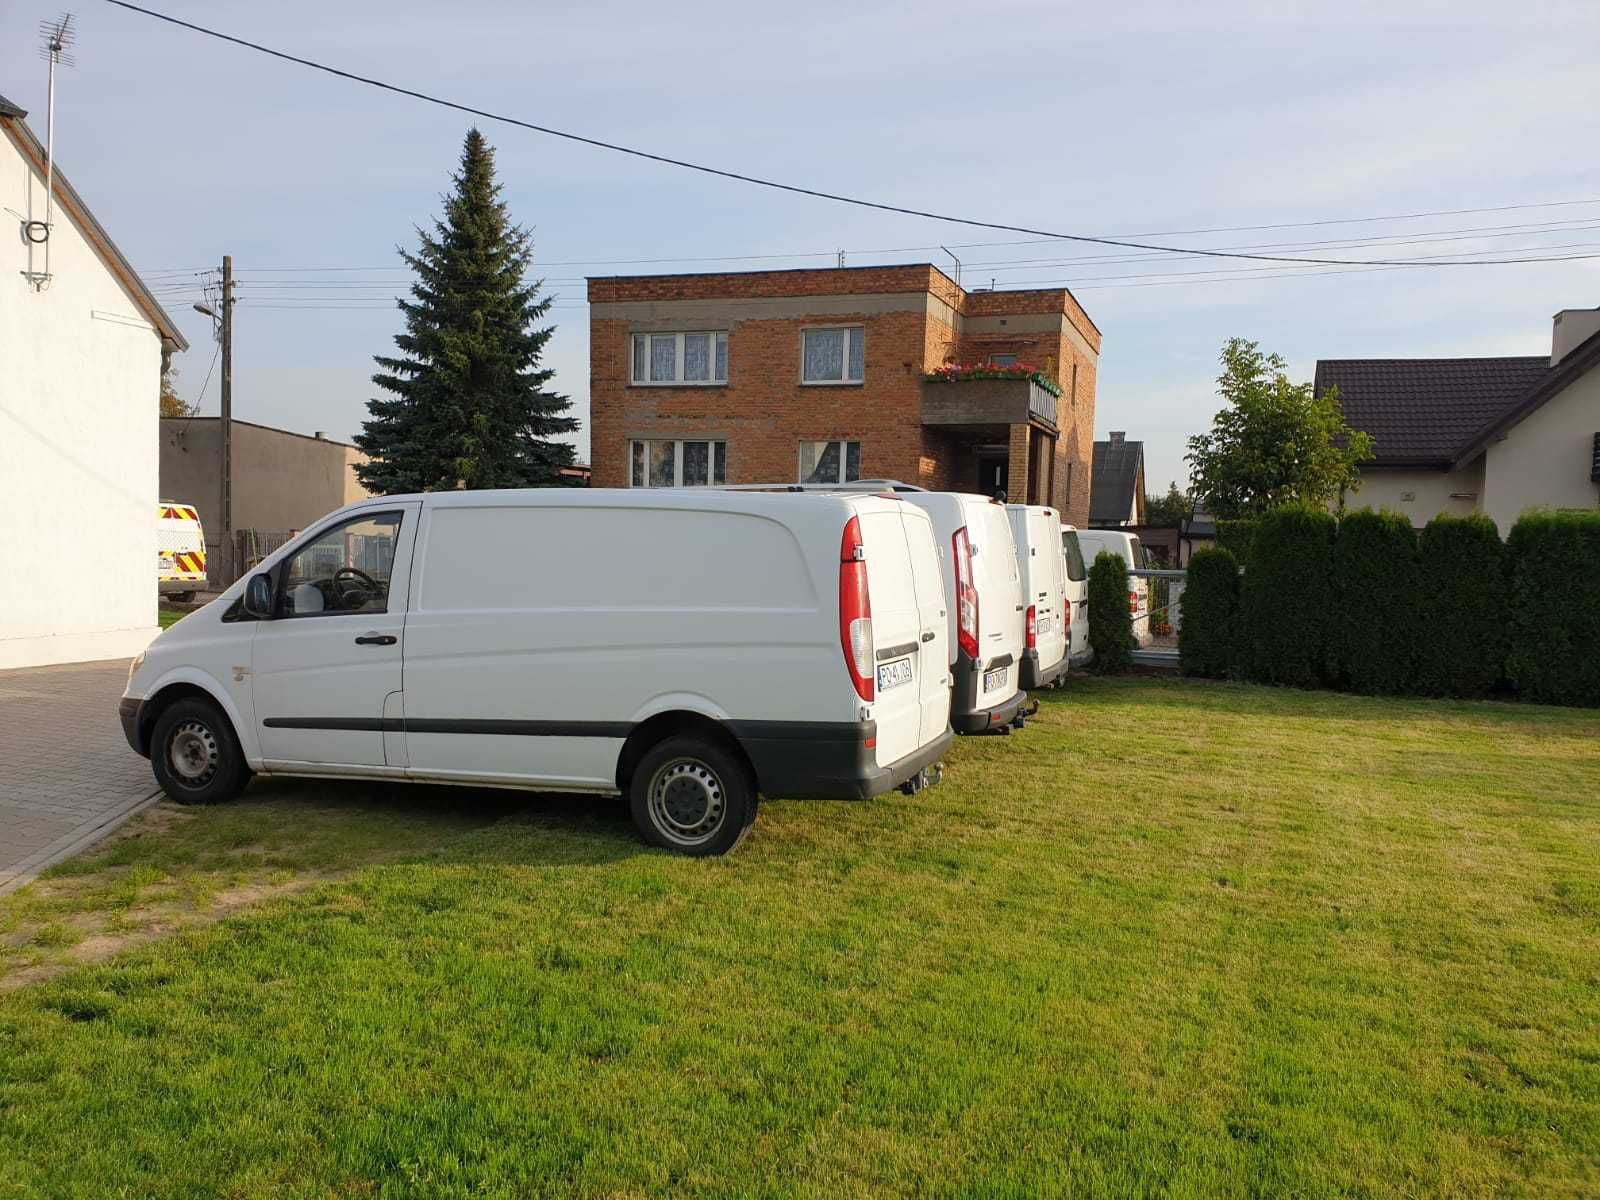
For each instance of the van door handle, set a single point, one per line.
(376, 639)
(928, 636)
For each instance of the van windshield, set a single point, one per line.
(1074, 552)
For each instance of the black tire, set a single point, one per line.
(692, 795)
(195, 755)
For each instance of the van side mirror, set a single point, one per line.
(257, 599)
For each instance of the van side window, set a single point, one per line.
(346, 570)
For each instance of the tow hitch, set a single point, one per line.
(924, 778)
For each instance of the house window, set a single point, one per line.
(680, 359)
(830, 462)
(1002, 360)
(663, 463)
(833, 355)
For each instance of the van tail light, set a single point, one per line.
(1133, 604)
(855, 611)
(966, 594)
(1031, 629)
(1066, 612)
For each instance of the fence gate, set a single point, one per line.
(1155, 633)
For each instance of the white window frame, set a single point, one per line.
(860, 331)
(677, 461)
(678, 380)
(844, 457)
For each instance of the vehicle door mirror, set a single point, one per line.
(257, 599)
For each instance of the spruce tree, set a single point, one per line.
(471, 405)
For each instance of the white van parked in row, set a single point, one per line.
(1127, 547)
(987, 614)
(1036, 531)
(687, 649)
(1081, 653)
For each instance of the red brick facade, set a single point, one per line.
(914, 319)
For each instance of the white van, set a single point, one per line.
(1127, 547)
(1036, 532)
(1081, 653)
(688, 648)
(986, 611)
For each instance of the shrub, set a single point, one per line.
(1236, 535)
(1110, 624)
(1372, 627)
(1553, 562)
(1284, 598)
(1210, 614)
(1461, 638)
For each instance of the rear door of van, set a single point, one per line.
(1047, 585)
(897, 627)
(1077, 592)
(1000, 606)
(934, 663)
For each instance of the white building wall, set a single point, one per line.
(80, 374)
(1546, 459)
(1421, 495)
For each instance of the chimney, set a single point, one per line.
(1117, 436)
(321, 435)
(1573, 327)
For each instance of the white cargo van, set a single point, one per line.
(1081, 653)
(689, 649)
(1127, 547)
(986, 610)
(1036, 532)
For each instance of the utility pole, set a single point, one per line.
(227, 419)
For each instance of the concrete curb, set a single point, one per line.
(74, 842)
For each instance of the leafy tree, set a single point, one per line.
(471, 405)
(1275, 442)
(173, 405)
(1110, 624)
(1169, 510)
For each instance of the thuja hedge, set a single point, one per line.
(1461, 631)
(1363, 604)
(1210, 614)
(1284, 601)
(1372, 630)
(1553, 566)
(1110, 624)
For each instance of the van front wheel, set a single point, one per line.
(195, 755)
(693, 796)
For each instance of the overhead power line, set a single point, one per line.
(758, 181)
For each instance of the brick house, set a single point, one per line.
(823, 376)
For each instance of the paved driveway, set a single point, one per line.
(67, 777)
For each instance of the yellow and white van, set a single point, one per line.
(181, 545)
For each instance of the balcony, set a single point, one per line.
(988, 403)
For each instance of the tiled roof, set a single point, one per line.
(1425, 411)
(8, 109)
(1111, 486)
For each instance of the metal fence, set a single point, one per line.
(253, 545)
(1155, 633)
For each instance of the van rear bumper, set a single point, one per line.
(827, 760)
(989, 718)
(1031, 675)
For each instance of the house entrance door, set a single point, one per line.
(994, 469)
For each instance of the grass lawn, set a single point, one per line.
(1174, 939)
(168, 617)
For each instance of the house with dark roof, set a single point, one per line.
(80, 376)
(1492, 435)
(1116, 488)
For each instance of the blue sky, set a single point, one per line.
(1086, 118)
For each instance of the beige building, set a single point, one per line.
(1491, 435)
(281, 480)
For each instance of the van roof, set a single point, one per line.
(691, 498)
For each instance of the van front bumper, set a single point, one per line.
(1031, 675)
(128, 710)
(827, 760)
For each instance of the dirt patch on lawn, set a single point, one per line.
(101, 937)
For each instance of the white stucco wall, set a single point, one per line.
(80, 374)
(1545, 460)
(1431, 492)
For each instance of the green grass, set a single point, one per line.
(1174, 939)
(168, 617)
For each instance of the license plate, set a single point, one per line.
(166, 562)
(894, 674)
(995, 678)
(1042, 625)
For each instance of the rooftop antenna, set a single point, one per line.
(955, 260)
(55, 39)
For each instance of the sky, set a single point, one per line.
(1154, 119)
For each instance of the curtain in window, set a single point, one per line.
(824, 354)
(662, 470)
(696, 463)
(664, 358)
(697, 357)
(638, 360)
(819, 462)
(858, 353)
(636, 473)
(722, 358)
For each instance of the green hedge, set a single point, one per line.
(1373, 624)
(1210, 612)
(1554, 563)
(1284, 600)
(1236, 535)
(1461, 633)
(1110, 624)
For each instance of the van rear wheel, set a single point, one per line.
(693, 796)
(195, 755)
